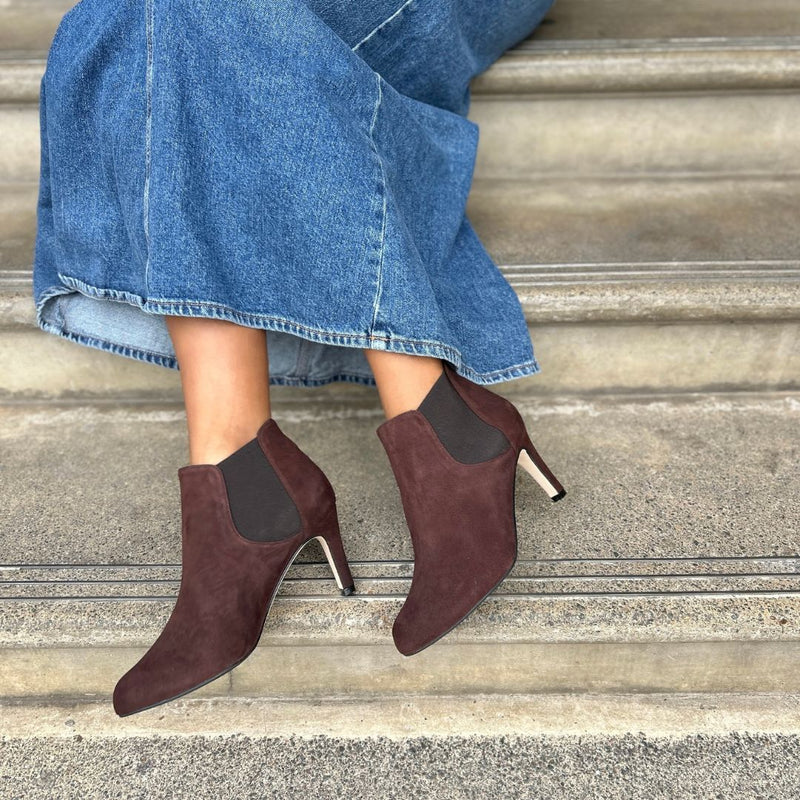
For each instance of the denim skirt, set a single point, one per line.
(298, 166)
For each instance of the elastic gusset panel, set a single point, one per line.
(261, 508)
(462, 432)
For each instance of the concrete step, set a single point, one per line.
(533, 124)
(584, 108)
(639, 466)
(671, 566)
(17, 225)
(645, 19)
(648, 222)
(554, 746)
(693, 63)
(29, 25)
(319, 645)
(652, 270)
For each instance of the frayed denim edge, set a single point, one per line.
(205, 309)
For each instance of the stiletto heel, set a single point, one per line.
(534, 464)
(334, 552)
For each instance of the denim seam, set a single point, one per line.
(149, 23)
(382, 24)
(382, 244)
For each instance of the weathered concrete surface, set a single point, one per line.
(637, 66)
(35, 364)
(19, 150)
(654, 19)
(397, 716)
(590, 767)
(576, 358)
(366, 663)
(17, 227)
(591, 133)
(326, 619)
(638, 220)
(392, 578)
(671, 564)
(681, 357)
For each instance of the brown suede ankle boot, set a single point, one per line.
(234, 559)
(456, 482)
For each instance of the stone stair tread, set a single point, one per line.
(539, 66)
(649, 478)
(554, 746)
(638, 219)
(634, 19)
(669, 537)
(310, 572)
(396, 716)
(327, 619)
(479, 656)
(520, 583)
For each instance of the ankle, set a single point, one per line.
(402, 379)
(217, 444)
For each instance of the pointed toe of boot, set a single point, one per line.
(124, 700)
(161, 674)
(176, 664)
(128, 697)
(132, 694)
(435, 606)
(410, 634)
(407, 640)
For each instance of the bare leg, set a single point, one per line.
(403, 380)
(224, 372)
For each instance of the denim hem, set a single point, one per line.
(206, 309)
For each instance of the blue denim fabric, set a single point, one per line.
(300, 166)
